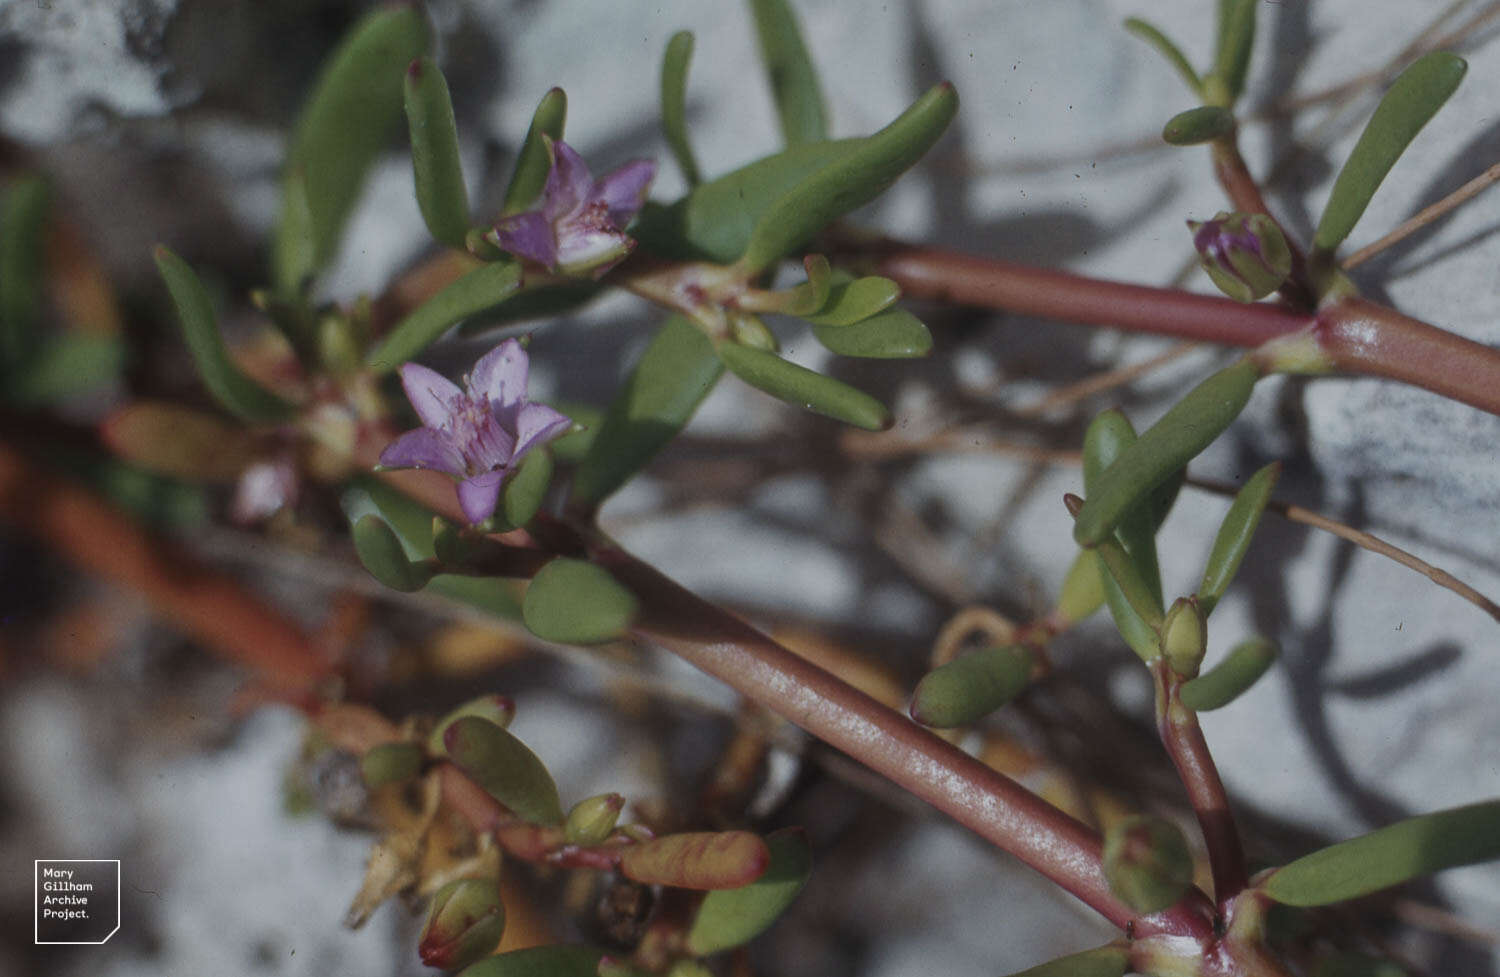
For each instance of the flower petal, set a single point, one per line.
(624, 190)
(527, 235)
(478, 496)
(537, 424)
(500, 375)
(568, 182)
(423, 448)
(431, 394)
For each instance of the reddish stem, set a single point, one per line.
(1184, 740)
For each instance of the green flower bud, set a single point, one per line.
(1147, 862)
(1184, 636)
(1246, 255)
(592, 819)
(464, 924)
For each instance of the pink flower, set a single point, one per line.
(478, 434)
(578, 226)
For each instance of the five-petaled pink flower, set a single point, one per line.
(578, 225)
(478, 434)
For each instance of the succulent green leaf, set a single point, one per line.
(535, 159)
(1164, 46)
(382, 554)
(437, 171)
(1126, 574)
(729, 918)
(1082, 591)
(23, 218)
(527, 487)
(238, 393)
(181, 442)
(1398, 853)
(698, 860)
(505, 767)
(813, 294)
(390, 763)
(344, 125)
(805, 388)
(853, 180)
(539, 961)
(892, 334)
(1104, 961)
(674, 71)
(1236, 36)
(541, 302)
(482, 288)
(1414, 97)
(1202, 124)
(71, 364)
(1235, 533)
(1191, 425)
(1107, 438)
(971, 686)
(676, 372)
(855, 301)
(497, 709)
(1230, 678)
(789, 68)
(577, 602)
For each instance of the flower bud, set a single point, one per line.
(1184, 636)
(1246, 255)
(1147, 862)
(592, 819)
(464, 924)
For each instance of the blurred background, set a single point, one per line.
(165, 120)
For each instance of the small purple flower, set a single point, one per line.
(1246, 255)
(578, 226)
(478, 434)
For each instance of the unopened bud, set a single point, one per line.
(1147, 862)
(592, 819)
(464, 924)
(1246, 255)
(1184, 636)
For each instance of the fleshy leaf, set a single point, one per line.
(729, 918)
(1082, 592)
(344, 126)
(1191, 425)
(1414, 98)
(674, 71)
(23, 215)
(892, 334)
(798, 385)
(676, 372)
(855, 301)
(539, 961)
(541, 302)
(1403, 851)
(1104, 961)
(437, 172)
(178, 441)
(68, 366)
(1236, 37)
(698, 860)
(577, 602)
(238, 393)
(505, 767)
(1107, 437)
(794, 80)
(813, 294)
(1230, 678)
(849, 182)
(486, 286)
(390, 763)
(1164, 46)
(1235, 533)
(971, 686)
(382, 554)
(534, 160)
(527, 487)
(1202, 124)
(497, 709)
(1147, 862)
